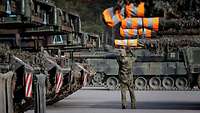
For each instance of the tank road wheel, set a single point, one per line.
(97, 79)
(168, 83)
(181, 83)
(112, 83)
(155, 83)
(198, 81)
(140, 83)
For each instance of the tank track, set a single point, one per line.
(165, 83)
(148, 87)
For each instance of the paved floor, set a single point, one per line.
(103, 101)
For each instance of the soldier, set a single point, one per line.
(125, 61)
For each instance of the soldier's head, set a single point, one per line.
(122, 52)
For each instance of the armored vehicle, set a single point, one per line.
(59, 82)
(178, 70)
(35, 25)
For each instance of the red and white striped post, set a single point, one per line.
(59, 82)
(28, 84)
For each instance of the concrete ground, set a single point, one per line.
(104, 101)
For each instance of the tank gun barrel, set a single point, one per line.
(107, 56)
(178, 32)
(178, 23)
(178, 41)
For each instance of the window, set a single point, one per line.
(8, 8)
(58, 39)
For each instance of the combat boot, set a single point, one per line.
(133, 106)
(124, 106)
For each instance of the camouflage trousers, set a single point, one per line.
(130, 87)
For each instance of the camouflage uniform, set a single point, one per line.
(126, 78)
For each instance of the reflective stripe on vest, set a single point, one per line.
(131, 23)
(117, 18)
(151, 23)
(132, 33)
(136, 43)
(126, 43)
(111, 19)
(128, 33)
(133, 11)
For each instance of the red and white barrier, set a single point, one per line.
(28, 84)
(85, 80)
(59, 82)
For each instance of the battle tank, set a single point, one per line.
(178, 70)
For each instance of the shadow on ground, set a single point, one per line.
(139, 105)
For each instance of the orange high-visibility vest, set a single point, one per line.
(107, 16)
(135, 23)
(140, 9)
(112, 18)
(133, 11)
(126, 43)
(145, 32)
(151, 23)
(132, 23)
(133, 33)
